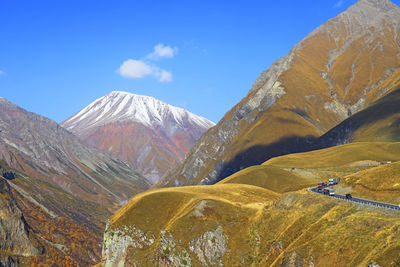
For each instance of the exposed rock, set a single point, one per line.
(210, 248)
(292, 259)
(172, 254)
(374, 264)
(117, 241)
(14, 231)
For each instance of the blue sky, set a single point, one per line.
(56, 57)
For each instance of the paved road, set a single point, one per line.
(360, 201)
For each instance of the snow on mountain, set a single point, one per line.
(122, 106)
(148, 134)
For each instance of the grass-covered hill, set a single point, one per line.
(264, 216)
(243, 225)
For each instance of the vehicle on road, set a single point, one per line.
(329, 191)
(322, 184)
(349, 196)
(334, 181)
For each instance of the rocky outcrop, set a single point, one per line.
(117, 242)
(119, 247)
(210, 247)
(14, 230)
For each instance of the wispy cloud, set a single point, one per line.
(339, 4)
(162, 51)
(137, 69)
(165, 76)
(140, 68)
(2, 72)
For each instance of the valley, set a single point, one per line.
(131, 180)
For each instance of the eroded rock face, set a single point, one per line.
(171, 253)
(210, 247)
(120, 244)
(116, 244)
(14, 231)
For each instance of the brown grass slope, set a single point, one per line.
(249, 226)
(260, 228)
(345, 65)
(271, 177)
(362, 167)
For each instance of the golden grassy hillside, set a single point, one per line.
(264, 216)
(179, 201)
(360, 165)
(382, 182)
(241, 225)
(272, 178)
(339, 156)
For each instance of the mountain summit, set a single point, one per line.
(342, 67)
(147, 133)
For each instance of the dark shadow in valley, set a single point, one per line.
(385, 107)
(257, 155)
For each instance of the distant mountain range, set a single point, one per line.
(150, 135)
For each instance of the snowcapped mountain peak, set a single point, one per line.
(146, 133)
(120, 106)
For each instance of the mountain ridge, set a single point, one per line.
(340, 68)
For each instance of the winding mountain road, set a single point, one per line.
(357, 200)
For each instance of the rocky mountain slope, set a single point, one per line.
(64, 189)
(342, 67)
(264, 216)
(148, 134)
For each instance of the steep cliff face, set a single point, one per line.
(340, 68)
(14, 231)
(65, 189)
(148, 134)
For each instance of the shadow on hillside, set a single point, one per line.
(380, 110)
(257, 155)
(341, 134)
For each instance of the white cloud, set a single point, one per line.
(137, 69)
(165, 76)
(161, 51)
(339, 4)
(2, 72)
